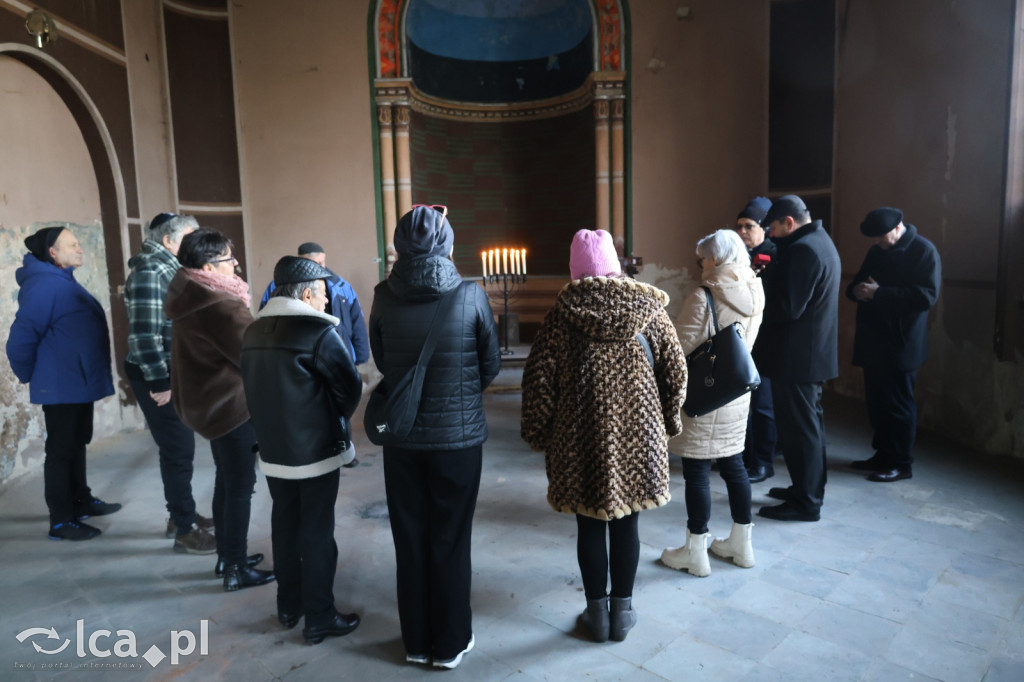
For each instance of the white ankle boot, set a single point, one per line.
(737, 546)
(692, 557)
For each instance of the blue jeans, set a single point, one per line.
(696, 472)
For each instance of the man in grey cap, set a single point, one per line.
(798, 349)
(342, 302)
(894, 290)
(302, 387)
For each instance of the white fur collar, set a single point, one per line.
(286, 306)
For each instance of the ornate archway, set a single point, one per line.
(396, 96)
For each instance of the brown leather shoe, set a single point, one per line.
(196, 541)
(201, 522)
(890, 475)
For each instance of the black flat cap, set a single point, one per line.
(294, 269)
(880, 221)
(787, 205)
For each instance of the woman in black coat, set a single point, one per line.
(432, 479)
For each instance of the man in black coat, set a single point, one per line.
(894, 290)
(797, 349)
(302, 387)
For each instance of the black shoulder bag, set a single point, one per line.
(720, 369)
(390, 415)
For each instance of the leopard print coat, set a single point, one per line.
(592, 403)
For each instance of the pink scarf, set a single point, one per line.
(229, 284)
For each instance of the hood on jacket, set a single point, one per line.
(610, 308)
(152, 252)
(32, 266)
(423, 278)
(186, 296)
(737, 286)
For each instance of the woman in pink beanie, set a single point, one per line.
(601, 406)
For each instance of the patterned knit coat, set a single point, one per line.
(594, 405)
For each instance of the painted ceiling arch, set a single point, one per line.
(553, 24)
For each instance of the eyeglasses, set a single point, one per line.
(443, 210)
(229, 259)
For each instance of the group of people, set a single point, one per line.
(603, 391)
(607, 376)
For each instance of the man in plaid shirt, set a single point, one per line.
(147, 369)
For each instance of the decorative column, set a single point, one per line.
(618, 173)
(387, 179)
(402, 159)
(603, 221)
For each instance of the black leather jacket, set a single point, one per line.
(301, 386)
(466, 360)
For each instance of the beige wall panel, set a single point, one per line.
(698, 126)
(150, 119)
(303, 107)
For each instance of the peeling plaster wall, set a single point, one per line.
(923, 127)
(50, 180)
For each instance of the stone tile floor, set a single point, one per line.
(921, 579)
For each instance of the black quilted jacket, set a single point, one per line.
(465, 361)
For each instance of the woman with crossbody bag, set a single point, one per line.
(433, 476)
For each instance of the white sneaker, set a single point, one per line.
(453, 663)
(421, 659)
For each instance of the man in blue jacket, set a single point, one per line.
(60, 345)
(894, 290)
(342, 302)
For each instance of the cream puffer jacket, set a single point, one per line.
(739, 297)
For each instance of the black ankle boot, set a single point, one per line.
(250, 560)
(237, 576)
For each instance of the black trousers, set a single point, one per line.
(697, 474)
(305, 553)
(889, 394)
(68, 431)
(762, 435)
(176, 444)
(801, 424)
(598, 557)
(431, 500)
(234, 455)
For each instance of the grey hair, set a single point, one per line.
(723, 246)
(173, 228)
(295, 290)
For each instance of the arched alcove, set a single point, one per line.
(511, 113)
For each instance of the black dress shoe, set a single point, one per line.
(237, 576)
(874, 463)
(783, 494)
(758, 474)
(890, 475)
(288, 620)
(787, 512)
(250, 561)
(341, 624)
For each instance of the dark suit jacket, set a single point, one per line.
(799, 338)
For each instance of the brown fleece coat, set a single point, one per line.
(206, 356)
(594, 405)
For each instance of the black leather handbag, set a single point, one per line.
(720, 369)
(390, 415)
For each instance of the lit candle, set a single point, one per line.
(515, 261)
(490, 262)
(524, 262)
(519, 261)
(504, 261)
(483, 263)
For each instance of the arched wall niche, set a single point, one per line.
(109, 178)
(402, 108)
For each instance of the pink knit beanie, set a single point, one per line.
(593, 255)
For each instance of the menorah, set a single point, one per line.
(504, 272)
